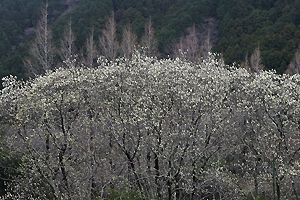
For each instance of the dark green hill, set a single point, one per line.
(274, 25)
(243, 24)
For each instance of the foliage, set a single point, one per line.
(166, 128)
(274, 25)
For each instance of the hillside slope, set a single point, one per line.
(242, 25)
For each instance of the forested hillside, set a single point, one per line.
(241, 25)
(272, 24)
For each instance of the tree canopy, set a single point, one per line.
(166, 128)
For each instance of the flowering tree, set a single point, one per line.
(164, 128)
(267, 132)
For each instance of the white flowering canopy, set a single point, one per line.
(164, 128)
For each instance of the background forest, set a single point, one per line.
(238, 26)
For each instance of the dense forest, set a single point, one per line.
(238, 26)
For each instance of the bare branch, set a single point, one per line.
(208, 34)
(192, 45)
(108, 42)
(128, 42)
(41, 50)
(66, 51)
(91, 50)
(188, 46)
(256, 62)
(148, 41)
(294, 66)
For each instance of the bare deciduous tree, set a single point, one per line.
(66, 51)
(245, 64)
(180, 48)
(91, 50)
(255, 61)
(192, 44)
(294, 66)
(208, 34)
(188, 46)
(148, 41)
(41, 50)
(108, 42)
(128, 42)
(198, 42)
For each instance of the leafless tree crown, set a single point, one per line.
(148, 41)
(294, 66)
(198, 41)
(108, 42)
(255, 61)
(128, 42)
(66, 51)
(91, 50)
(41, 51)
